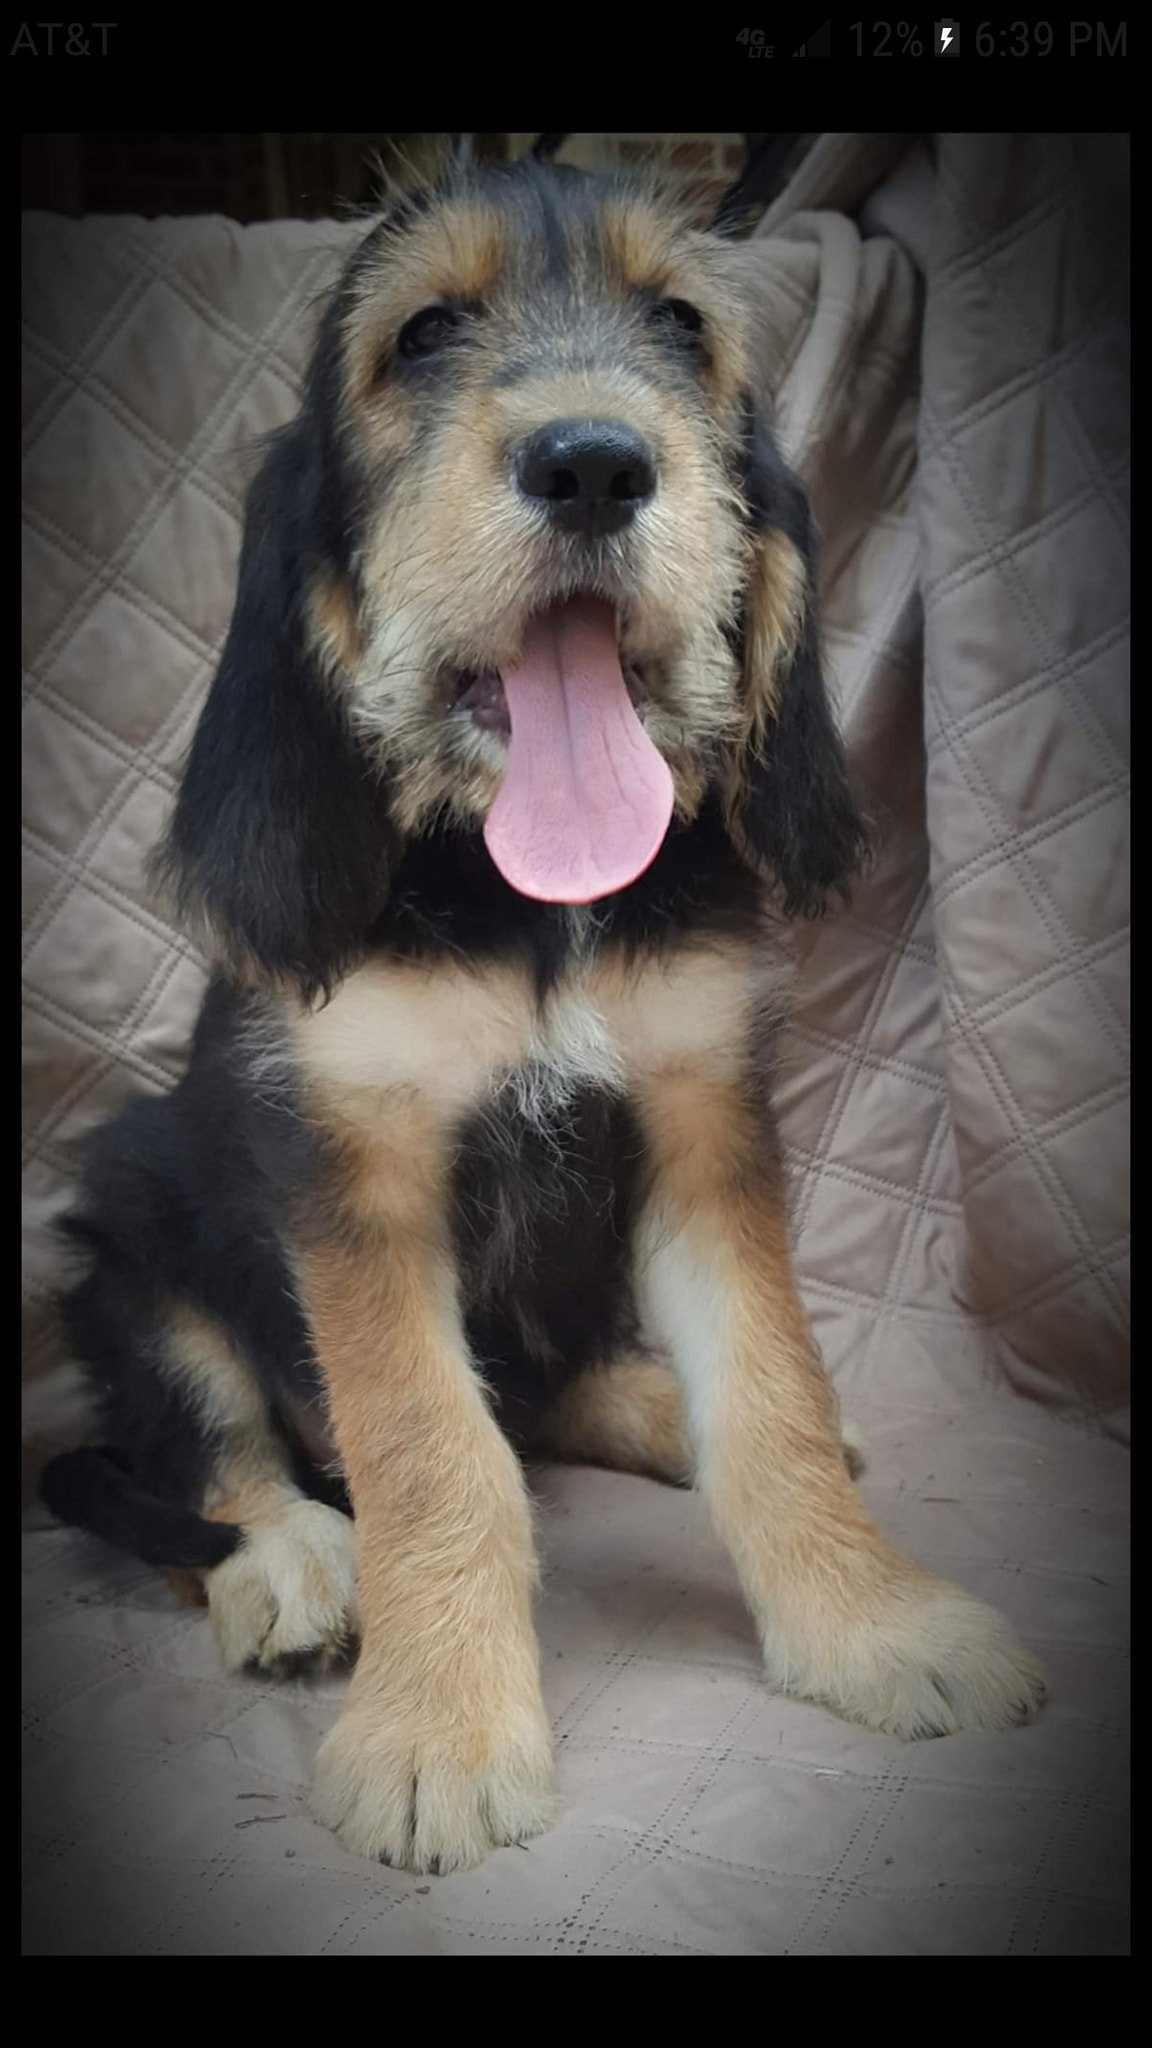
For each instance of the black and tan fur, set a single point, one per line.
(454, 1173)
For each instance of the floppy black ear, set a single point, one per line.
(280, 842)
(790, 803)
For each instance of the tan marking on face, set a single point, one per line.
(774, 623)
(650, 247)
(641, 240)
(456, 251)
(778, 594)
(335, 628)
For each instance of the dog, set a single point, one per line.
(518, 763)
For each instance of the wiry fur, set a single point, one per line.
(453, 1170)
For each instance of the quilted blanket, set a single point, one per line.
(945, 338)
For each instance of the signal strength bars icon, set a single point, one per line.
(819, 45)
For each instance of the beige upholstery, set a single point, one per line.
(945, 330)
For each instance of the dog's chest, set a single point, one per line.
(461, 1038)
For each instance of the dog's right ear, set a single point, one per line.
(790, 804)
(280, 845)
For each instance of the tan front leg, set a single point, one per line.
(844, 1617)
(443, 1751)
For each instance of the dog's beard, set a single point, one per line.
(429, 704)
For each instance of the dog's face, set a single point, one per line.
(541, 389)
(528, 545)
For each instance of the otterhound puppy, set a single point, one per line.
(518, 757)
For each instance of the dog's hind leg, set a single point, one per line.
(193, 1473)
(629, 1415)
(287, 1595)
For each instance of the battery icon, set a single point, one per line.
(947, 39)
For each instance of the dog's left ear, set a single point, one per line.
(789, 802)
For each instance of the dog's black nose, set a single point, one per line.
(590, 475)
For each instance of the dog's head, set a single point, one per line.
(528, 561)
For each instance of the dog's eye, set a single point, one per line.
(678, 317)
(427, 332)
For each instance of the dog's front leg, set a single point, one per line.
(443, 1752)
(844, 1617)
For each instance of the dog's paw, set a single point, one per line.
(287, 1596)
(405, 1795)
(935, 1662)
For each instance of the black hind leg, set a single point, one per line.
(155, 1435)
(190, 1434)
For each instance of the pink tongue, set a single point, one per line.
(586, 799)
